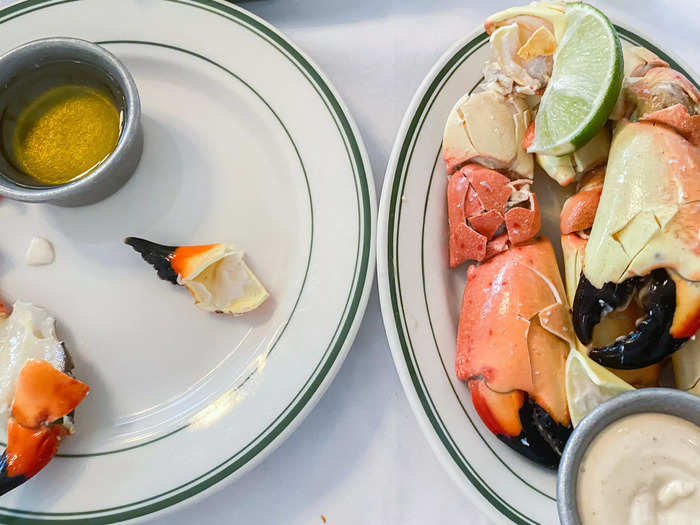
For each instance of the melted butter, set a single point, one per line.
(65, 133)
(642, 469)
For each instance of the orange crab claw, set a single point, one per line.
(43, 394)
(513, 338)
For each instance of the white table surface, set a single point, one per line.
(360, 456)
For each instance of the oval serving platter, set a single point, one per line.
(421, 296)
(245, 142)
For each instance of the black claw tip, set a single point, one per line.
(651, 341)
(156, 255)
(8, 483)
(542, 439)
(591, 303)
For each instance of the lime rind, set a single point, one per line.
(573, 108)
(589, 384)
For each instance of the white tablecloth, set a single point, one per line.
(360, 456)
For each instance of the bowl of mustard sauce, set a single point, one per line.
(70, 123)
(634, 459)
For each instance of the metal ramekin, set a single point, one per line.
(114, 171)
(658, 400)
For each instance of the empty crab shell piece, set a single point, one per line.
(488, 128)
(215, 274)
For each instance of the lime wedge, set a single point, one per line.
(588, 385)
(586, 81)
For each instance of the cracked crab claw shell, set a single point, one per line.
(488, 128)
(215, 274)
(515, 329)
(649, 209)
(530, 18)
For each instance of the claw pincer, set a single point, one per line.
(644, 245)
(513, 339)
(43, 398)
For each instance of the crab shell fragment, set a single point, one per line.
(513, 340)
(215, 274)
(488, 128)
(477, 204)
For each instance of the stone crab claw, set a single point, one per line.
(513, 340)
(488, 213)
(488, 128)
(644, 245)
(43, 401)
(523, 42)
(577, 217)
(215, 274)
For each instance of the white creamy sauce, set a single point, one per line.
(642, 470)
(28, 333)
(40, 252)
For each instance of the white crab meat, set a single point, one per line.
(28, 333)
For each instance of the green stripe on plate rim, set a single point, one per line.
(358, 285)
(394, 223)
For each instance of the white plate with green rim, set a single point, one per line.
(421, 296)
(245, 141)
